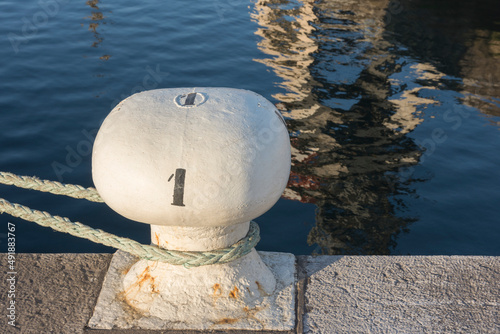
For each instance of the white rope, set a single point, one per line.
(148, 252)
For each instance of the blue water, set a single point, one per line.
(393, 110)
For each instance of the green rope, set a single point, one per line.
(187, 259)
(57, 188)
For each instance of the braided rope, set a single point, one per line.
(57, 188)
(148, 252)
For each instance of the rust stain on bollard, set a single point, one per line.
(226, 321)
(252, 312)
(234, 293)
(261, 289)
(144, 279)
(218, 289)
(217, 292)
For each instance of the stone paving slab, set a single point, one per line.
(401, 294)
(56, 293)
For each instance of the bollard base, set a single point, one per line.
(275, 312)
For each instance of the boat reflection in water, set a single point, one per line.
(350, 110)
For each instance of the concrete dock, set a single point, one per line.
(56, 293)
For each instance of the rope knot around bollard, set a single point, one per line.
(188, 259)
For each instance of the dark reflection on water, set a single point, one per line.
(97, 19)
(351, 118)
(460, 38)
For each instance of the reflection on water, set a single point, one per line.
(355, 90)
(461, 39)
(286, 31)
(96, 18)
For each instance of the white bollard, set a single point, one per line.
(198, 164)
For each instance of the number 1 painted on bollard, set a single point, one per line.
(180, 175)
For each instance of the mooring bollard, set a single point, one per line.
(198, 165)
